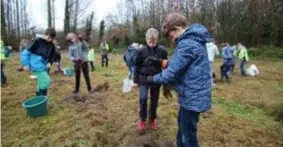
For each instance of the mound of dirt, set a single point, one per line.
(61, 81)
(97, 96)
(147, 139)
(101, 87)
(57, 72)
(75, 98)
(207, 115)
(108, 75)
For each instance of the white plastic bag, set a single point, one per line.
(34, 77)
(252, 70)
(127, 85)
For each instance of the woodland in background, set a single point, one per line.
(255, 23)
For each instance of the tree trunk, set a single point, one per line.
(14, 19)
(76, 16)
(67, 18)
(3, 23)
(8, 16)
(18, 18)
(53, 13)
(89, 26)
(49, 13)
(25, 17)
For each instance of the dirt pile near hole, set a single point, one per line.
(108, 75)
(60, 81)
(96, 96)
(148, 139)
(101, 87)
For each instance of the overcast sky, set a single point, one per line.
(37, 10)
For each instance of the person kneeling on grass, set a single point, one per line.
(38, 57)
(189, 71)
(149, 68)
(78, 54)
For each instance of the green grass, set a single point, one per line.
(246, 112)
(241, 111)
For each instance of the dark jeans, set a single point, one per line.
(224, 71)
(187, 123)
(131, 72)
(242, 67)
(104, 59)
(84, 68)
(3, 77)
(154, 96)
(91, 65)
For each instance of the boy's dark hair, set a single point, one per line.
(50, 32)
(173, 20)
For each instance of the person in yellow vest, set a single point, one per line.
(3, 58)
(243, 57)
(91, 58)
(104, 48)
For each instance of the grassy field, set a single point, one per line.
(245, 113)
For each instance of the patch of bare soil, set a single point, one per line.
(60, 81)
(108, 75)
(96, 96)
(101, 87)
(148, 139)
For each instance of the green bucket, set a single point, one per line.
(36, 106)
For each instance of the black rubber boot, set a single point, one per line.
(37, 93)
(42, 92)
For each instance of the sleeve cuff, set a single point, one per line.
(156, 79)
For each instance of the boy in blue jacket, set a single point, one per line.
(38, 57)
(189, 71)
(228, 62)
(129, 58)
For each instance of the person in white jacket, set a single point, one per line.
(212, 51)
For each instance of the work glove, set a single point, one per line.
(78, 61)
(153, 61)
(146, 80)
(156, 61)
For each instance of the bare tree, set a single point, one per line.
(3, 22)
(49, 15)
(76, 15)
(89, 26)
(67, 18)
(18, 18)
(53, 13)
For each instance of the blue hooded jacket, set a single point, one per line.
(189, 69)
(38, 54)
(228, 56)
(129, 56)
